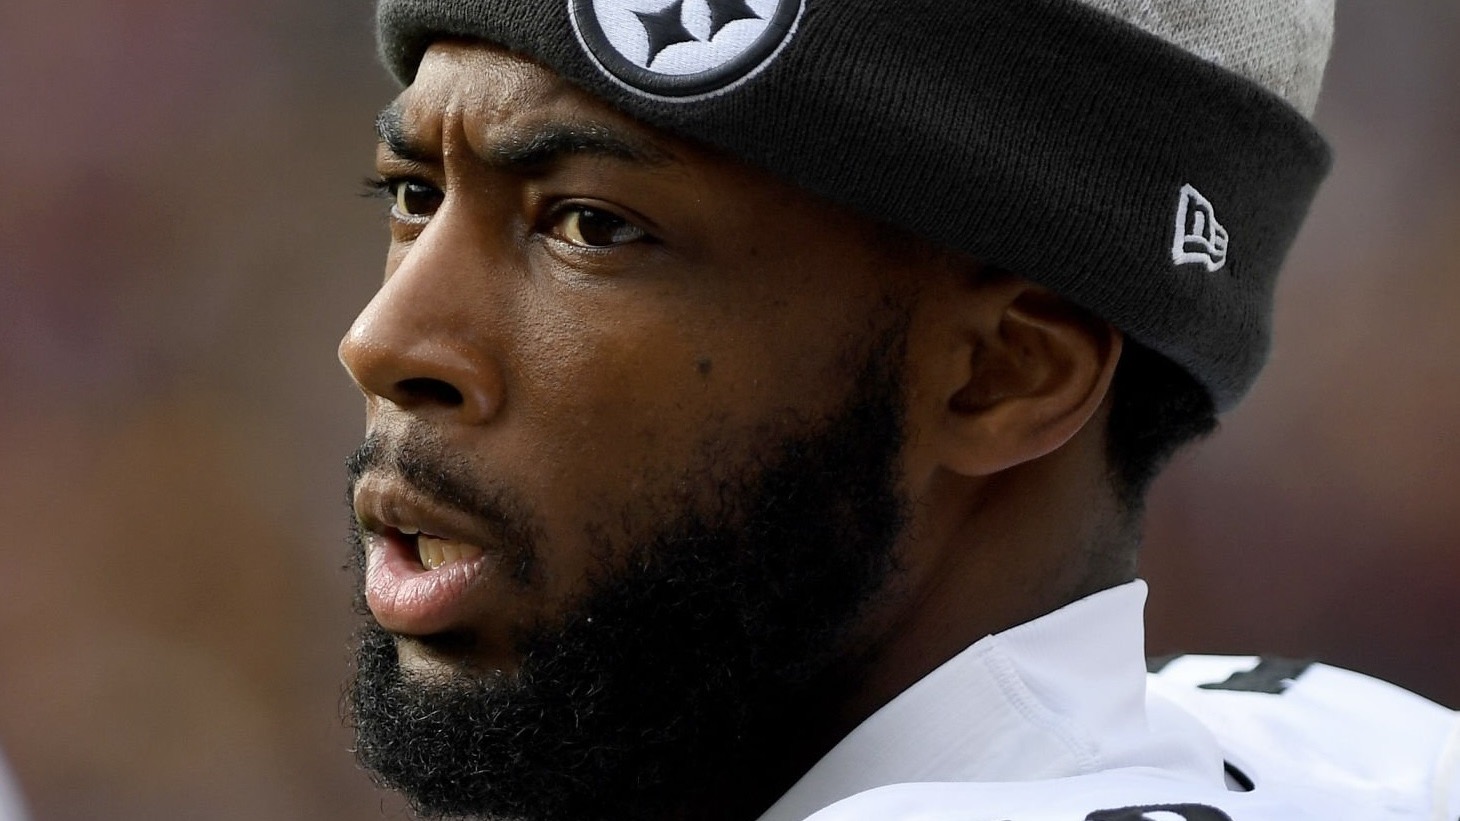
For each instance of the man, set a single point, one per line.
(762, 395)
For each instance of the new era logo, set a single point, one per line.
(1199, 237)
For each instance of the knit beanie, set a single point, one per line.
(1149, 160)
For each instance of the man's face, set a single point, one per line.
(635, 432)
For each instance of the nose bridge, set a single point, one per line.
(421, 344)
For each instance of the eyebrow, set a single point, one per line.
(390, 129)
(534, 149)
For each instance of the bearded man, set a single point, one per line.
(762, 395)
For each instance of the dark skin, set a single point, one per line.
(578, 303)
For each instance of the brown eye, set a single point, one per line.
(416, 199)
(595, 228)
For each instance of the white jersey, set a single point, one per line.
(1036, 725)
(10, 805)
(1320, 737)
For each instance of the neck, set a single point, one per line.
(984, 554)
(987, 554)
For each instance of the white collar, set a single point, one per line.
(1058, 696)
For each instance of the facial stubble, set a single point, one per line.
(691, 662)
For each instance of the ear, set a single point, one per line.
(1029, 371)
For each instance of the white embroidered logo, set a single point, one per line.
(677, 49)
(1199, 237)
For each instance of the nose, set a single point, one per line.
(420, 346)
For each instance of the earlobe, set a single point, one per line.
(1038, 368)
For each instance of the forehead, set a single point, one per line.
(479, 77)
(490, 94)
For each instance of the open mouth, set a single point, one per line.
(424, 562)
(419, 584)
(435, 552)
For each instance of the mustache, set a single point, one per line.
(422, 460)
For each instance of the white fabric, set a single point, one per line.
(1055, 719)
(1281, 45)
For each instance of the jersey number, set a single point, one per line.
(1271, 675)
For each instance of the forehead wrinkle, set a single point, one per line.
(510, 115)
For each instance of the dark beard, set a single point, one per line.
(685, 674)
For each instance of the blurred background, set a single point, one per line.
(183, 246)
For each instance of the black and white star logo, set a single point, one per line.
(665, 28)
(725, 12)
(682, 49)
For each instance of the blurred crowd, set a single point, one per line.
(183, 246)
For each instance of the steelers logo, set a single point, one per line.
(683, 49)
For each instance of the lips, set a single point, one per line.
(421, 560)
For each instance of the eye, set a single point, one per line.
(589, 227)
(413, 199)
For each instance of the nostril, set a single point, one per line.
(424, 390)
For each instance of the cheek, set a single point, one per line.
(607, 418)
(609, 400)
(600, 396)
(622, 396)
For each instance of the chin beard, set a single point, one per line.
(680, 682)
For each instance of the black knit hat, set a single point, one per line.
(1144, 159)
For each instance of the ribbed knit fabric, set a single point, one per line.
(1045, 137)
(1282, 45)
